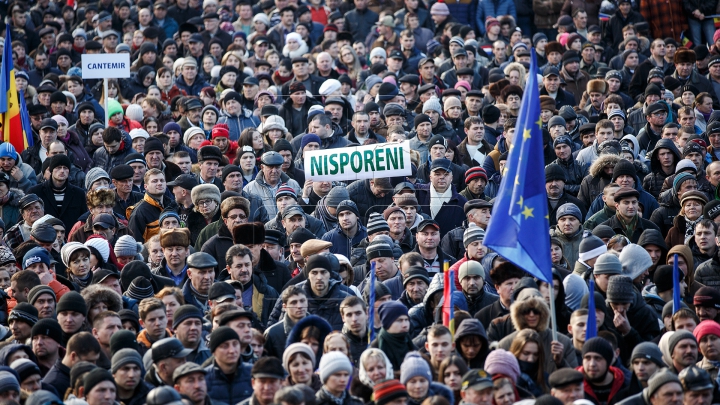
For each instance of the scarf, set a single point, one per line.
(202, 299)
(395, 346)
(690, 226)
(82, 283)
(628, 227)
(333, 398)
(322, 214)
(438, 199)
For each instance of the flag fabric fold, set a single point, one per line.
(676, 284)
(371, 305)
(13, 129)
(518, 229)
(591, 324)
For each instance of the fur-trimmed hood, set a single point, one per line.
(538, 303)
(15, 194)
(597, 167)
(96, 293)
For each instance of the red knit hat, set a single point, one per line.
(474, 173)
(388, 390)
(220, 130)
(706, 328)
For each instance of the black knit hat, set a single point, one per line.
(59, 160)
(600, 346)
(220, 336)
(623, 167)
(620, 289)
(95, 377)
(554, 172)
(314, 262)
(123, 339)
(72, 301)
(663, 278)
(24, 312)
(300, 235)
(50, 328)
(186, 312)
(599, 302)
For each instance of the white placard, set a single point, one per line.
(359, 162)
(106, 66)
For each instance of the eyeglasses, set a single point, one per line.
(531, 311)
(205, 203)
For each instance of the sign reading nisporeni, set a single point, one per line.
(359, 162)
(106, 65)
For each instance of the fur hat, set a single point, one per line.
(205, 191)
(102, 196)
(683, 55)
(175, 237)
(597, 86)
(97, 293)
(232, 203)
(553, 46)
(252, 233)
(547, 103)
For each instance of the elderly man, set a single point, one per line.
(201, 275)
(268, 181)
(440, 199)
(31, 208)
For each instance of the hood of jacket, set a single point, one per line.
(599, 164)
(653, 237)
(519, 307)
(471, 327)
(686, 253)
(663, 144)
(140, 76)
(8, 350)
(96, 293)
(634, 142)
(436, 285)
(15, 195)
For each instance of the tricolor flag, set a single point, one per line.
(604, 17)
(448, 307)
(10, 104)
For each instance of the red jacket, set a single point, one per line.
(617, 384)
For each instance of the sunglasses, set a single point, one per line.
(531, 311)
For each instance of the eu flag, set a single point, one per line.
(519, 227)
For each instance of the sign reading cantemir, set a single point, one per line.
(106, 65)
(359, 162)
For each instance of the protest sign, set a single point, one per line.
(359, 162)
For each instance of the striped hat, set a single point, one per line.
(474, 173)
(286, 190)
(139, 289)
(387, 391)
(472, 234)
(376, 224)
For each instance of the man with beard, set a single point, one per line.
(127, 372)
(602, 382)
(471, 276)
(190, 382)
(295, 303)
(201, 274)
(187, 326)
(681, 351)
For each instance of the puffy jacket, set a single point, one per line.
(360, 22)
(261, 189)
(323, 398)
(80, 156)
(570, 244)
(421, 315)
(136, 85)
(593, 184)
(493, 8)
(327, 307)
(653, 182)
(575, 172)
(342, 244)
(286, 113)
(10, 211)
(192, 89)
(229, 389)
(366, 201)
(144, 218)
(106, 161)
(669, 208)
(238, 123)
(708, 273)
(463, 12)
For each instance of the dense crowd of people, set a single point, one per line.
(178, 252)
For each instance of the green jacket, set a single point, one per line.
(599, 217)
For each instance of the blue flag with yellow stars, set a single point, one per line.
(519, 226)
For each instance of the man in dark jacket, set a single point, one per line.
(627, 221)
(228, 377)
(252, 235)
(440, 199)
(190, 80)
(669, 208)
(360, 21)
(557, 196)
(116, 147)
(294, 110)
(476, 212)
(81, 346)
(295, 301)
(663, 159)
(60, 198)
(371, 195)
(575, 171)
(144, 216)
(551, 85)
(127, 363)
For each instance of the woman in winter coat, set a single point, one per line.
(335, 371)
(168, 89)
(312, 331)
(691, 212)
(373, 367)
(504, 366)
(451, 372)
(144, 78)
(416, 376)
(299, 362)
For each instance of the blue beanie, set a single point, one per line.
(390, 311)
(306, 140)
(679, 179)
(172, 126)
(7, 150)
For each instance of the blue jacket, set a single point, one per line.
(493, 8)
(191, 299)
(341, 243)
(229, 391)
(192, 89)
(99, 111)
(237, 123)
(464, 11)
(450, 216)
(170, 26)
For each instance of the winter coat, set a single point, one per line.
(358, 257)
(232, 388)
(238, 123)
(276, 273)
(322, 398)
(312, 224)
(82, 230)
(192, 89)
(144, 217)
(458, 174)
(575, 172)
(599, 217)
(642, 225)
(518, 321)
(676, 234)
(366, 201)
(490, 312)
(218, 245)
(137, 85)
(473, 328)
(564, 199)
(421, 315)
(617, 384)
(261, 189)
(648, 202)
(493, 8)
(463, 12)
(342, 244)
(294, 127)
(276, 336)
(10, 211)
(452, 242)
(450, 216)
(315, 82)
(708, 273)
(577, 84)
(653, 182)
(327, 307)
(570, 244)
(73, 205)
(106, 161)
(264, 296)
(28, 180)
(613, 32)
(76, 146)
(664, 216)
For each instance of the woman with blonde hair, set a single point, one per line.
(516, 73)
(374, 367)
(350, 59)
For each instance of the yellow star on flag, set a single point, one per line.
(520, 202)
(539, 122)
(526, 134)
(528, 212)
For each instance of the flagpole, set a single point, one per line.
(553, 321)
(105, 101)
